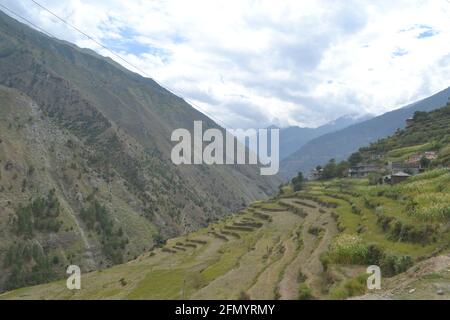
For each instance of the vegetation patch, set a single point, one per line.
(113, 239)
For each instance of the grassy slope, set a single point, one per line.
(265, 262)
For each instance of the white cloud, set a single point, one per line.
(255, 63)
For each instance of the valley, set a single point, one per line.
(88, 178)
(85, 170)
(311, 244)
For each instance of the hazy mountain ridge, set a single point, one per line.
(293, 138)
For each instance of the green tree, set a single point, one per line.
(297, 182)
(420, 115)
(329, 171)
(355, 158)
(425, 162)
(342, 169)
(280, 189)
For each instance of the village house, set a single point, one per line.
(375, 156)
(363, 169)
(415, 158)
(399, 177)
(431, 155)
(315, 174)
(398, 166)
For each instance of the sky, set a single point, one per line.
(251, 64)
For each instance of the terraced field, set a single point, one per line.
(258, 253)
(313, 244)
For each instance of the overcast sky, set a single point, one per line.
(256, 63)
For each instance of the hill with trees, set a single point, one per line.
(341, 144)
(85, 173)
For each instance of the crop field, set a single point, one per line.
(312, 244)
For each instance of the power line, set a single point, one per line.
(120, 57)
(87, 36)
(28, 21)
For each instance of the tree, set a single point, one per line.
(297, 182)
(329, 171)
(420, 115)
(158, 240)
(280, 189)
(342, 169)
(355, 158)
(425, 162)
(375, 178)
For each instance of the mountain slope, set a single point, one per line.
(293, 138)
(85, 154)
(314, 243)
(342, 143)
(428, 131)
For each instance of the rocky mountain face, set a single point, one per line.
(85, 171)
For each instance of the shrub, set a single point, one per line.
(348, 249)
(392, 264)
(114, 242)
(350, 288)
(305, 292)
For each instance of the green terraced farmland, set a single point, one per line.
(312, 244)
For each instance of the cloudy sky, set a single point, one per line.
(256, 63)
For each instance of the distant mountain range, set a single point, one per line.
(293, 138)
(342, 143)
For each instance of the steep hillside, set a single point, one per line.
(341, 144)
(86, 171)
(426, 132)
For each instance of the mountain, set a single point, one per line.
(86, 175)
(342, 143)
(427, 131)
(316, 243)
(293, 138)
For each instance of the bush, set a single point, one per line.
(305, 292)
(348, 249)
(350, 288)
(392, 264)
(114, 242)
